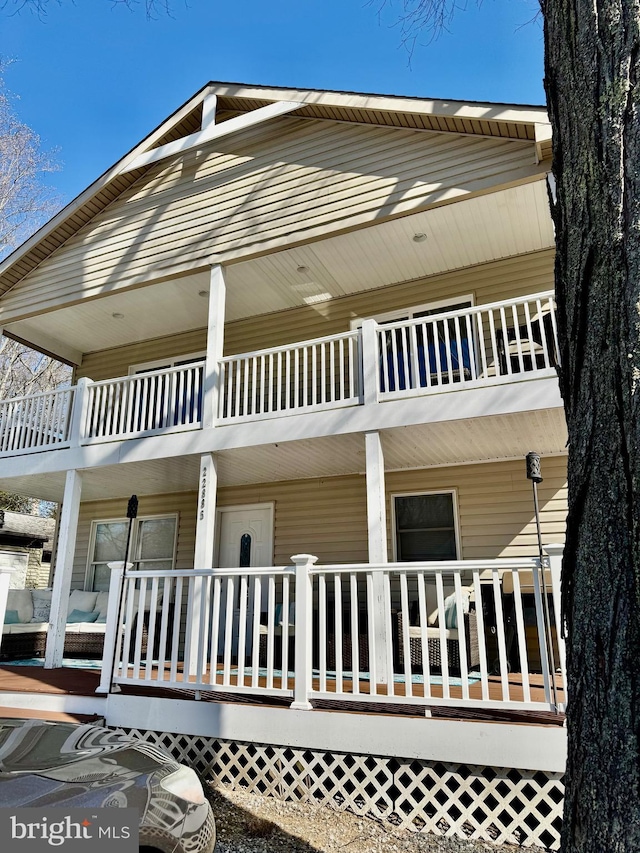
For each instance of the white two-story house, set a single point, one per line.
(317, 325)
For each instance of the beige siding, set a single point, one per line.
(495, 504)
(276, 184)
(489, 282)
(327, 517)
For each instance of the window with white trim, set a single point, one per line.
(426, 527)
(166, 363)
(152, 546)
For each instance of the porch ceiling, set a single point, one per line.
(474, 231)
(495, 438)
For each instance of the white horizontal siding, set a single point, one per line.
(275, 184)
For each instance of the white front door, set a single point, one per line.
(246, 536)
(245, 539)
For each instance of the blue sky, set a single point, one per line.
(94, 77)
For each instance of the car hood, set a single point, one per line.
(38, 746)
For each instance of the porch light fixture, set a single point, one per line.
(203, 293)
(420, 237)
(117, 315)
(302, 270)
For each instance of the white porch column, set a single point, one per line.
(555, 552)
(377, 536)
(63, 569)
(215, 346)
(203, 555)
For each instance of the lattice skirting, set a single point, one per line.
(501, 805)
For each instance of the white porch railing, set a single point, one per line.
(472, 346)
(319, 374)
(36, 422)
(466, 633)
(154, 401)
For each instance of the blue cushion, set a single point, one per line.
(11, 617)
(83, 616)
(450, 611)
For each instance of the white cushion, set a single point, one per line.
(82, 600)
(29, 628)
(86, 628)
(20, 600)
(41, 605)
(101, 604)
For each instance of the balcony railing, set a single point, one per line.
(471, 346)
(154, 401)
(311, 375)
(488, 344)
(467, 633)
(36, 422)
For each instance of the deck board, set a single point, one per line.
(83, 682)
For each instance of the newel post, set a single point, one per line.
(554, 552)
(370, 362)
(303, 631)
(112, 626)
(79, 412)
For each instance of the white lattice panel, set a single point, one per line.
(484, 803)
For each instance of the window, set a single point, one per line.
(153, 545)
(425, 527)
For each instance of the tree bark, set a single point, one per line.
(591, 67)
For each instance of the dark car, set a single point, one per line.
(88, 766)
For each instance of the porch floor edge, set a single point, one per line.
(527, 746)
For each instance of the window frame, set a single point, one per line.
(410, 312)
(135, 542)
(168, 363)
(425, 493)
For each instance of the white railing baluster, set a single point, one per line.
(521, 636)
(442, 629)
(503, 661)
(322, 632)
(482, 646)
(406, 643)
(215, 628)
(355, 634)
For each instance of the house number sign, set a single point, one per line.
(203, 493)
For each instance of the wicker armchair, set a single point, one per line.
(433, 644)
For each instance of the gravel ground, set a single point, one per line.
(249, 823)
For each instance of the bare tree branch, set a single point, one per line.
(153, 8)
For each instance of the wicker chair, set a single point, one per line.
(433, 644)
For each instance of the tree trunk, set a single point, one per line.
(591, 66)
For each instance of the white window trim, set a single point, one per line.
(410, 312)
(88, 578)
(159, 363)
(456, 517)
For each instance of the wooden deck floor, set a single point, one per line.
(83, 682)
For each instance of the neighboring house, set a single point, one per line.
(26, 542)
(312, 323)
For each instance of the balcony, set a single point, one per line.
(505, 342)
